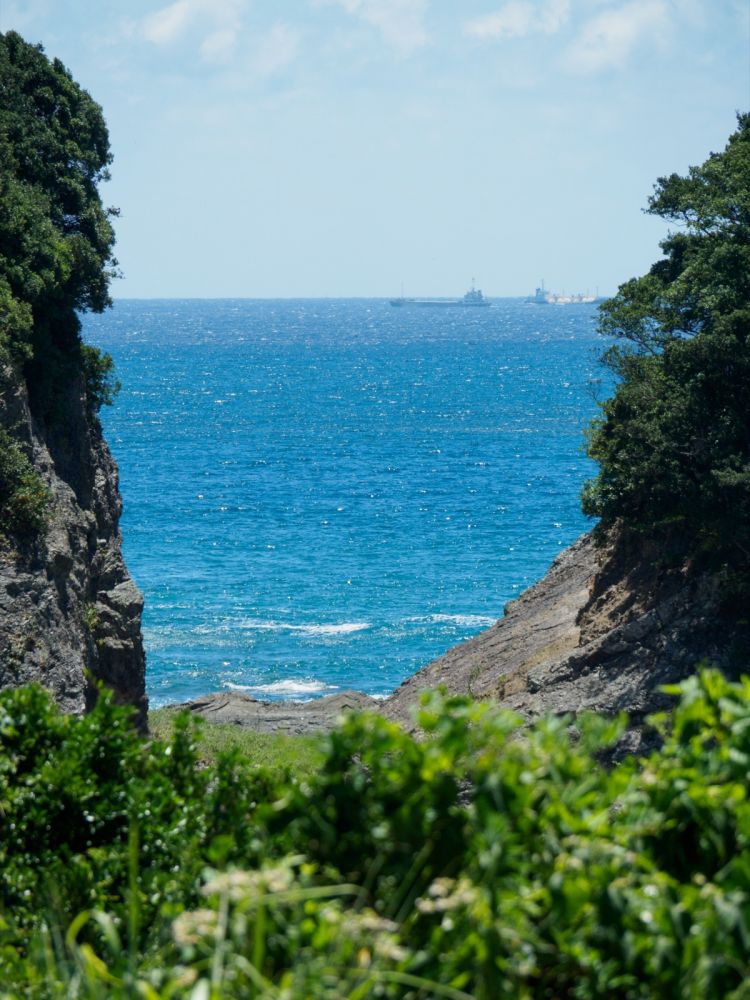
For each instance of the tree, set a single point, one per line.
(673, 442)
(56, 237)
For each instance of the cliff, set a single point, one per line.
(603, 630)
(68, 607)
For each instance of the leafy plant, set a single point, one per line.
(24, 498)
(484, 860)
(91, 620)
(98, 375)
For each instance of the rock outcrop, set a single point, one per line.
(69, 612)
(603, 630)
(290, 717)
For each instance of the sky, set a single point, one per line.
(336, 148)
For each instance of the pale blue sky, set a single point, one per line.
(344, 147)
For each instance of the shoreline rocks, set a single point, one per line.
(291, 717)
(603, 630)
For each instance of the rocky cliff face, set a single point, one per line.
(68, 606)
(603, 630)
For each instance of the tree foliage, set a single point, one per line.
(23, 496)
(673, 443)
(56, 237)
(481, 861)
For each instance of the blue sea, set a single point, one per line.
(327, 494)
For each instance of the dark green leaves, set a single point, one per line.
(23, 496)
(481, 861)
(673, 443)
(56, 238)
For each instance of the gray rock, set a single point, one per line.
(69, 612)
(604, 630)
(292, 717)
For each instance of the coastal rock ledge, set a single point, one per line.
(603, 630)
(70, 615)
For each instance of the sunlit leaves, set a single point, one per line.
(482, 860)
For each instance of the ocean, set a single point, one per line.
(328, 494)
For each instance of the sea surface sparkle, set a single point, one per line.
(328, 494)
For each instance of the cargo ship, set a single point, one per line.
(542, 297)
(472, 299)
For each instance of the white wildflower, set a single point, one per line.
(446, 894)
(193, 926)
(239, 885)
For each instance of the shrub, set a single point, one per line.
(482, 861)
(23, 496)
(98, 374)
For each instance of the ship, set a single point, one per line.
(542, 297)
(472, 299)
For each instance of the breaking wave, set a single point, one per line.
(287, 688)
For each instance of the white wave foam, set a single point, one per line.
(288, 687)
(345, 628)
(462, 621)
(342, 628)
(466, 621)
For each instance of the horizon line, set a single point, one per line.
(302, 298)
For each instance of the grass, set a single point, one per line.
(279, 753)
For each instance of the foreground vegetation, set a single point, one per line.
(482, 861)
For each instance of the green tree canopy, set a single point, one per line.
(673, 442)
(56, 237)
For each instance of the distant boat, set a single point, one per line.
(539, 297)
(542, 297)
(472, 299)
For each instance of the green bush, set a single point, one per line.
(484, 860)
(98, 374)
(23, 496)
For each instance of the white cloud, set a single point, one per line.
(400, 22)
(277, 50)
(520, 18)
(166, 25)
(608, 40)
(216, 22)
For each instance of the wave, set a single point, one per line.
(466, 621)
(462, 621)
(291, 686)
(323, 629)
(345, 628)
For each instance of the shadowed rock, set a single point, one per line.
(69, 612)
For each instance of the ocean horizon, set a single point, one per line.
(323, 494)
